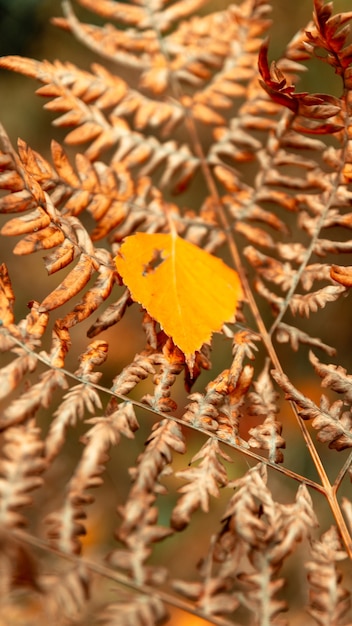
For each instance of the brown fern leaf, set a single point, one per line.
(257, 536)
(342, 275)
(107, 193)
(142, 49)
(79, 398)
(29, 333)
(334, 425)
(238, 380)
(289, 334)
(72, 284)
(12, 374)
(329, 601)
(317, 189)
(139, 529)
(70, 410)
(213, 595)
(312, 302)
(19, 568)
(268, 174)
(263, 403)
(68, 85)
(112, 314)
(141, 611)
(202, 481)
(205, 60)
(13, 176)
(30, 401)
(250, 496)
(141, 367)
(66, 525)
(326, 246)
(258, 113)
(20, 469)
(332, 421)
(219, 409)
(311, 110)
(66, 595)
(7, 297)
(95, 296)
(171, 363)
(270, 269)
(204, 409)
(139, 16)
(295, 523)
(270, 528)
(334, 377)
(331, 34)
(69, 237)
(232, 409)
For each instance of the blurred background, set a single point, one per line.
(25, 29)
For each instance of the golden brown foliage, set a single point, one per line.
(210, 472)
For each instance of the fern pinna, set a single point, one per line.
(209, 139)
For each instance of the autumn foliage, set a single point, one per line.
(200, 212)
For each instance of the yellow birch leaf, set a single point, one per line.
(187, 290)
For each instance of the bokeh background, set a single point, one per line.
(25, 29)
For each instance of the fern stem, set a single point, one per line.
(343, 471)
(339, 518)
(140, 405)
(104, 571)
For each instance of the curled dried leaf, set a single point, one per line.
(342, 275)
(74, 282)
(7, 297)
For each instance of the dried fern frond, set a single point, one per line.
(263, 403)
(67, 524)
(333, 421)
(66, 596)
(219, 408)
(257, 536)
(142, 611)
(20, 469)
(334, 377)
(139, 528)
(328, 600)
(182, 99)
(289, 334)
(213, 595)
(171, 364)
(78, 399)
(204, 480)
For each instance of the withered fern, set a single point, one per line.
(135, 489)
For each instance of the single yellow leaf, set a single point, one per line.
(187, 290)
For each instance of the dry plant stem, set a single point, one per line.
(236, 257)
(24, 537)
(190, 71)
(342, 473)
(312, 244)
(328, 491)
(247, 452)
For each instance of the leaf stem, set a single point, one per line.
(140, 405)
(102, 570)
